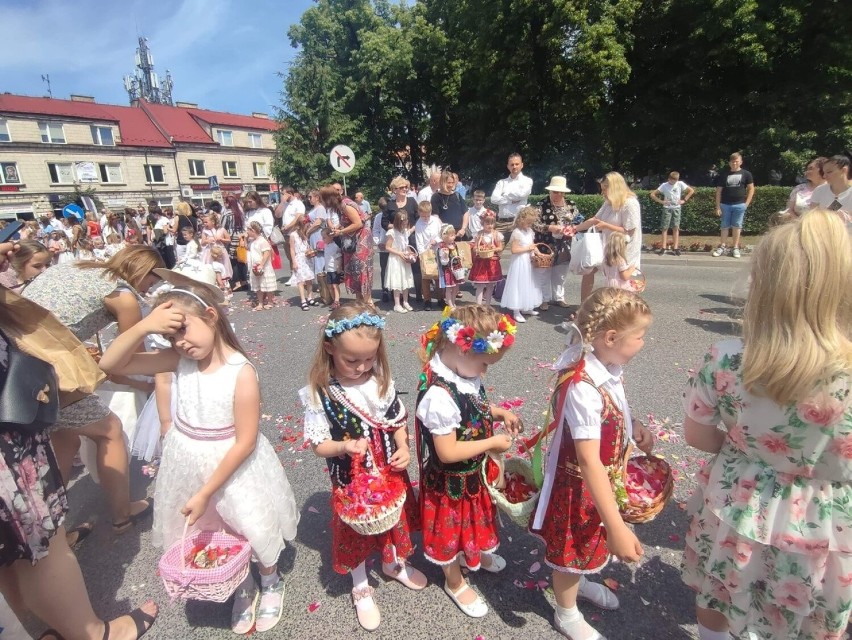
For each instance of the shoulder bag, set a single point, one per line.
(29, 399)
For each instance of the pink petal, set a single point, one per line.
(314, 606)
(313, 509)
(674, 537)
(611, 583)
(535, 567)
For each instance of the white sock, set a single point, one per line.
(566, 614)
(706, 634)
(269, 580)
(359, 576)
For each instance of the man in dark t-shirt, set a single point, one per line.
(734, 191)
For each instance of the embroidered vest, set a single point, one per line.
(347, 425)
(456, 478)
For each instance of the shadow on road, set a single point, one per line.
(721, 327)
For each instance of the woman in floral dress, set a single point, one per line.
(769, 546)
(354, 227)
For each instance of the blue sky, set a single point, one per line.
(222, 54)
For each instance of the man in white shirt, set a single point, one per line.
(426, 192)
(363, 204)
(510, 195)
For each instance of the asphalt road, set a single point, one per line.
(694, 301)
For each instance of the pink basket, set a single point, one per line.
(212, 585)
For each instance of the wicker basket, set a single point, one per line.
(638, 513)
(376, 519)
(459, 272)
(519, 512)
(212, 585)
(485, 254)
(411, 254)
(543, 258)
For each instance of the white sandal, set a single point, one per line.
(475, 609)
(243, 611)
(598, 594)
(576, 627)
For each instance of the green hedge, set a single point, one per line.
(698, 216)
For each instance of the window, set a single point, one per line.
(102, 136)
(196, 169)
(229, 168)
(61, 173)
(9, 173)
(154, 173)
(226, 138)
(110, 172)
(260, 170)
(255, 141)
(51, 132)
(4, 132)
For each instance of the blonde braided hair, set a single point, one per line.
(609, 309)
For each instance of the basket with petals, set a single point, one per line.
(411, 254)
(637, 281)
(459, 272)
(511, 483)
(542, 257)
(648, 485)
(372, 502)
(206, 565)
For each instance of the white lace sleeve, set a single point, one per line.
(438, 412)
(317, 427)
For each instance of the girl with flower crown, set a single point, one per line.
(455, 429)
(352, 409)
(578, 510)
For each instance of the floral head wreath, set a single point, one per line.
(365, 319)
(466, 338)
(488, 214)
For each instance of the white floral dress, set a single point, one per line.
(770, 539)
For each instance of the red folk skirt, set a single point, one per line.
(349, 548)
(485, 270)
(452, 527)
(574, 537)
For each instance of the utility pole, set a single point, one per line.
(45, 77)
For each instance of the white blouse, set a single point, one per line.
(436, 409)
(583, 404)
(364, 396)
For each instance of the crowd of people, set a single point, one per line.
(768, 546)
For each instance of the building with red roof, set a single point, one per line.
(52, 148)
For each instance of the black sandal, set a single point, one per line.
(83, 531)
(122, 527)
(140, 619)
(313, 302)
(304, 306)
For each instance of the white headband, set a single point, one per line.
(190, 293)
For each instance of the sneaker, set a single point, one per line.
(532, 312)
(736, 252)
(407, 306)
(677, 252)
(427, 306)
(400, 309)
(661, 252)
(720, 251)
(519, 317)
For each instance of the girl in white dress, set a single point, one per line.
(521, 292)
(616, 270)
(261, 273)
(398, 276)
(217, 470)
(303, 271)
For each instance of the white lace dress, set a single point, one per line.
(256, 502)
(521, 292)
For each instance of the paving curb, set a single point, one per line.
(691, 259)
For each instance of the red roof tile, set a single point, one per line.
(135, 126)
(235, 120)
(177, 123)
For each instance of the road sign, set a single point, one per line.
(342, 159)
(213, 183)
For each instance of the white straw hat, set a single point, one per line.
(558, 183)
(193, 272)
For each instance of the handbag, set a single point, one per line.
(428, 264)
(29, 399)
(276, 257)
(587, 252)
(563, 252)
(348, 244)
(276, 237)
(465, 253)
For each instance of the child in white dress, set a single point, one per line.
(262, 275)
(218, 471)
(615, 267)
(521, 293)
(303, 272)
(399, 277)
